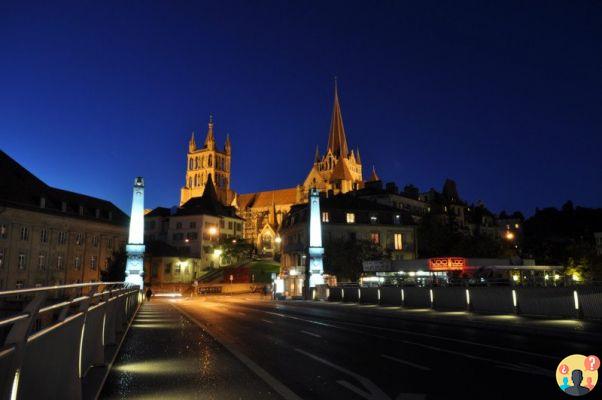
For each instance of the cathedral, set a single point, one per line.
(338, 170)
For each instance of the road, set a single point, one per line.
(334, 351)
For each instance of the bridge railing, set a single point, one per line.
(52, 337)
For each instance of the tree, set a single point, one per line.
(115, 271)
(235, 250)
(344, 258)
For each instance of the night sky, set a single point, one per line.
(504, 97)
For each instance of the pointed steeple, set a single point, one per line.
(317, 156)
(228, 146)
(357, 156)
(192, 143)
(374, 177)
(210, 139)
(337, 142)
(209, 194)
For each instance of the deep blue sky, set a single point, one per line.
(504, 97)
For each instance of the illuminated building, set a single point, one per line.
(134, 269)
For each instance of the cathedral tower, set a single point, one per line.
(204, 161)
(339, 169)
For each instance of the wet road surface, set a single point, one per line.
(336, 351)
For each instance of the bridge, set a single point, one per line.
(100, 340)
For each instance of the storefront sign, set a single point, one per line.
(447, 264)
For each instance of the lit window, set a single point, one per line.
(398, 239)
(350, 218)
(326, 217)
(95, 241)
(41, 262)
(373, 219)
(78, 239)
(44, 235)
(22, 261)
(62, 238)
(59, 263)
(375, 237)
(76, 262)
(93, 262)
(24, 233)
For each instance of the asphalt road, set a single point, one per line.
(334, 351)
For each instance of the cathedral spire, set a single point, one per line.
(337, 142)
(210, 139)
(192, 143)
(374, 177)
(317, 156)
(357, 156)
(228, 146)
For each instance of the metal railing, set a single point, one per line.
(53, 336)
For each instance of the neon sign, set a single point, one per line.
(447, 264)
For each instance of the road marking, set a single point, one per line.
(434, 348)
(491, 346)
(311, 334)
(411, 364)
(373, 392)
(268, 321)
(278, 386)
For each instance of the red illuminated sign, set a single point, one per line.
(447, 264)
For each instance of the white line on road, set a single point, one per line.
(411, 364)
(311, 334)
(268, 321)
(278, 386)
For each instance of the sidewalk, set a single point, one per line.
(165, 356)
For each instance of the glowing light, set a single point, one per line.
(81, 348)
(556, 277)
(546, 277)
(217, 252)
(576, 277)
(431, 295)
(15, 388)
(104, 321)
(279, 282)
(234, 241)
(359, 294)
(342, 294)
(412, 273)
(169, 294)
(576, 298)
(403, 296)
(278, 239)
(212, 231)
(169, 367)
(378, 294)
(509, 235)
(514, 302)
(467, 297)
(515, 277)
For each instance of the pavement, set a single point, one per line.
(317, 350)
(166, 356)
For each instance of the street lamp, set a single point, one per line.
(278, 240)
(509, 235)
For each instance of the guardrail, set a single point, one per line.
(564, 302)
(55, 335)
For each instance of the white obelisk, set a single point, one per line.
(316, 251)
(134, 268)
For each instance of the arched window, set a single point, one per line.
(210, 161)
(190, 164)
(190, 182)
(196, 180)
(196, 162)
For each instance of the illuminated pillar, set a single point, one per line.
(135, 248)
(316, 251)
